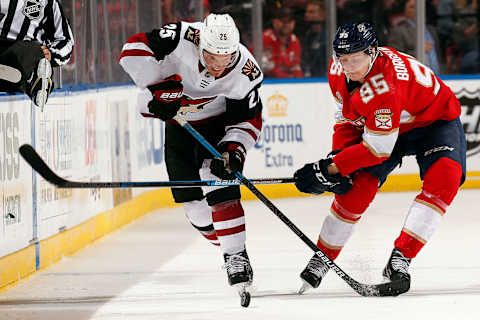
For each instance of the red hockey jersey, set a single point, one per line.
(398, 95)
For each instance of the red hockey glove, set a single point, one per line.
(167, 96)
(234, 154)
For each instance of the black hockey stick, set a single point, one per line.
(366, 290)
(37, 163)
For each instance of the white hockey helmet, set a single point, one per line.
(219, 35)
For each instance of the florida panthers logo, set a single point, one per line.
(383, 119)
(33, 9)
(470, 116)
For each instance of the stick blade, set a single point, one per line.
(36, 162)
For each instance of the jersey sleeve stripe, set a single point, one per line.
(137, 46)
(246, 138)
(245, 126)
(135, 53)
(136, 49)
(383, 133)
(245, 132)
(380, 143)
(139, 37)
(374, 152)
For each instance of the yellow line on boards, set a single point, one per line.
(21, 264)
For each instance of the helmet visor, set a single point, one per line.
(353, 62)
(218, 61)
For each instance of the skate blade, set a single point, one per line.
(243, 293)
(305, 286)
(44, 71)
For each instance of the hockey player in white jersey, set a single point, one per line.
(202, 67)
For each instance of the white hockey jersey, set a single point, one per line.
(151, 57)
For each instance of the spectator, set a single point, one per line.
(167, 11)
(377, 11)
(444, 13)
(402, 37)
(314, 62)
(465, 34)
(281, 47)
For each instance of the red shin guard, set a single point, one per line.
(441, 183)
(331, 253)
(408, 245)
(353, 204)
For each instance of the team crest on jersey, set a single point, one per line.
(383, 119)
(33, 9)
(192, 35)
(198, 104)
(251, 70)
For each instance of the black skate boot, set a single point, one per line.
(313, 273)
(238, 268)
(396, 271)
(40, 84)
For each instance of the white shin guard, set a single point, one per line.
(198, 212)
(336, 232)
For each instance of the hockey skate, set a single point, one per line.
(313, 274)
(40, 84)
(240, 274)
(396, 271)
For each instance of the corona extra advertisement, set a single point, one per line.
(294, 126)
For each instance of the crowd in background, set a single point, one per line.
(451, 33)
(294, 32)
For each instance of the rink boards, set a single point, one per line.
(97, 135)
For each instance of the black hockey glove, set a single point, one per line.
(314, 178)
(167, 96)
(234, 154)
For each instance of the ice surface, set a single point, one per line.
(159, 267)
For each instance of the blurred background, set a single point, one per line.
(289, 38)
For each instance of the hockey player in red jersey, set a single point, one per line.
(203, 67)
(388, 105)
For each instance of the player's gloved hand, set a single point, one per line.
(234, 158)
(314, 178)
(167, 96)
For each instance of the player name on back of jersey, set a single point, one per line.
(398, 64)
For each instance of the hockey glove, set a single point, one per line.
(167, 96)
(234, 158)
(314, 178)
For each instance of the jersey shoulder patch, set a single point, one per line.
(192, 35)
(251, 70)
(383, 118)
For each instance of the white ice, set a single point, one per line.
(159, 267)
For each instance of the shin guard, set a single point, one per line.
(440, 185)
(229, 224)
(346, 210)
(200, 216)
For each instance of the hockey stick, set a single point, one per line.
(37, 163)
(366, 290)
